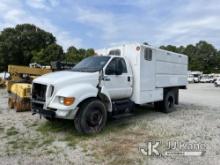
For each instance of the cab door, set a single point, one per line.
(119, 86)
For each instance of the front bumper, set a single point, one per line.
(45, 113)
(38, 108)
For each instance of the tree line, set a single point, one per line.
(202, 56)
(26, 43)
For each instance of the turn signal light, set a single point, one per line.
(68, 101)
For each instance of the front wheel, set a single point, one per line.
(91, 118)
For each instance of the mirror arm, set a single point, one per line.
(101, 77)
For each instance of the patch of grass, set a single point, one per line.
(31, 144)
(50, 151)
(34, 124)
(85, 148)
(115, 126)
(25, 144)
(10, 152)
(71, 141)
(49, 140)
(65, 127)
(30, 124)
(125, 161)
(1, 128)
(17, 144)
(12, 142)
(73, 138)
(56, 126)
(11, 131)
(117, 149)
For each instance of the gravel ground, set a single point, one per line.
(27, 139)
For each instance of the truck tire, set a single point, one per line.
(167, 105)
(91, 118)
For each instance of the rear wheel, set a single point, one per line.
(167, 105)
(91, 118)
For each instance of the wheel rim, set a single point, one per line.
(170, 102)
(94, 118)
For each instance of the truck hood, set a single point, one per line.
(66, 77)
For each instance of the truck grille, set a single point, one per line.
(37, 105)
(39, 92)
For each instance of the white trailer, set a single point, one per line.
(111, 83)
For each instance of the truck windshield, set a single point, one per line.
(91, 64)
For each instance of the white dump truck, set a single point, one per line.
(111, 83)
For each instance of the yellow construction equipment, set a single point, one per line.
(20, 80)
(20, 97)
(19, 85)
(24, 74)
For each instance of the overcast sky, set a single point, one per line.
(101, 23)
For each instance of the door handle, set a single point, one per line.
(129, 78)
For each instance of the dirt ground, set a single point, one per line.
(27, 139)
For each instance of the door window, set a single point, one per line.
(111, 68)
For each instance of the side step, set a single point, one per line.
(122, 107)
(120, 116)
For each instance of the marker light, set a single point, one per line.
(67, 100)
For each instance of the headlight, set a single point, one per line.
(67, 100)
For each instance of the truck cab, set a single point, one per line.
(109, 84)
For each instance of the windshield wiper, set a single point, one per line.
(86, 69)
(79, 69)
(75, 69)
